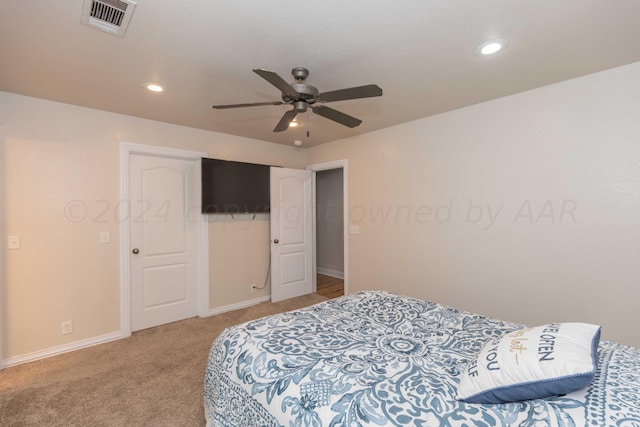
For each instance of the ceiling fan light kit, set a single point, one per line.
(301, 95)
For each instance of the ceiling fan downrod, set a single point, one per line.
(300, 73)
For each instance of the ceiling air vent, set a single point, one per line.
(111, 16)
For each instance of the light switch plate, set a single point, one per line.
(13, 242)
(105, 237)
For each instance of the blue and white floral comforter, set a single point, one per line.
(376, 359)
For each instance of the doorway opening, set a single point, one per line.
(330, 237)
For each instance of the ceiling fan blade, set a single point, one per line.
(283, 124)
(337, 116)
(278, 82)
(254, 104)
(366, 91)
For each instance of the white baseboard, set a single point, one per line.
(239, 305)
(329, 272)
(54, 351)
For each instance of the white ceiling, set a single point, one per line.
(421, 52)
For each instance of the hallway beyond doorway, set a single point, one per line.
(330, 287)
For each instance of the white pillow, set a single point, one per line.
(532, 363)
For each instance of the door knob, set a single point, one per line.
(276, 241)
(135, 251)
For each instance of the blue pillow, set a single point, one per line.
(532, 363)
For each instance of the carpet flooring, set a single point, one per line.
(153, 378)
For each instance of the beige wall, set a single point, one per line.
(557, 168)
(52, 154)
(525, 208)
(238, 257)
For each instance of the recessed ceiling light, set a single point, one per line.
(154, 88)
(293, 124)
(297, 143)
(492, 46)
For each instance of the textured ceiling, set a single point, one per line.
(421, 52)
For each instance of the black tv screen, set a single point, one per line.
(234, 187)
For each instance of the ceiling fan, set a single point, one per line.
(302, 95)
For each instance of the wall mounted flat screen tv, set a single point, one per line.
(234, 187)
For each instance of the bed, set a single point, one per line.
(375, 358)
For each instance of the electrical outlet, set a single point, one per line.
(67, 327)
(253, 287)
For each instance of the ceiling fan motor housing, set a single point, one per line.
(305, 91)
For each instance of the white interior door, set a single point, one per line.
(291, 233)
(162, 240)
